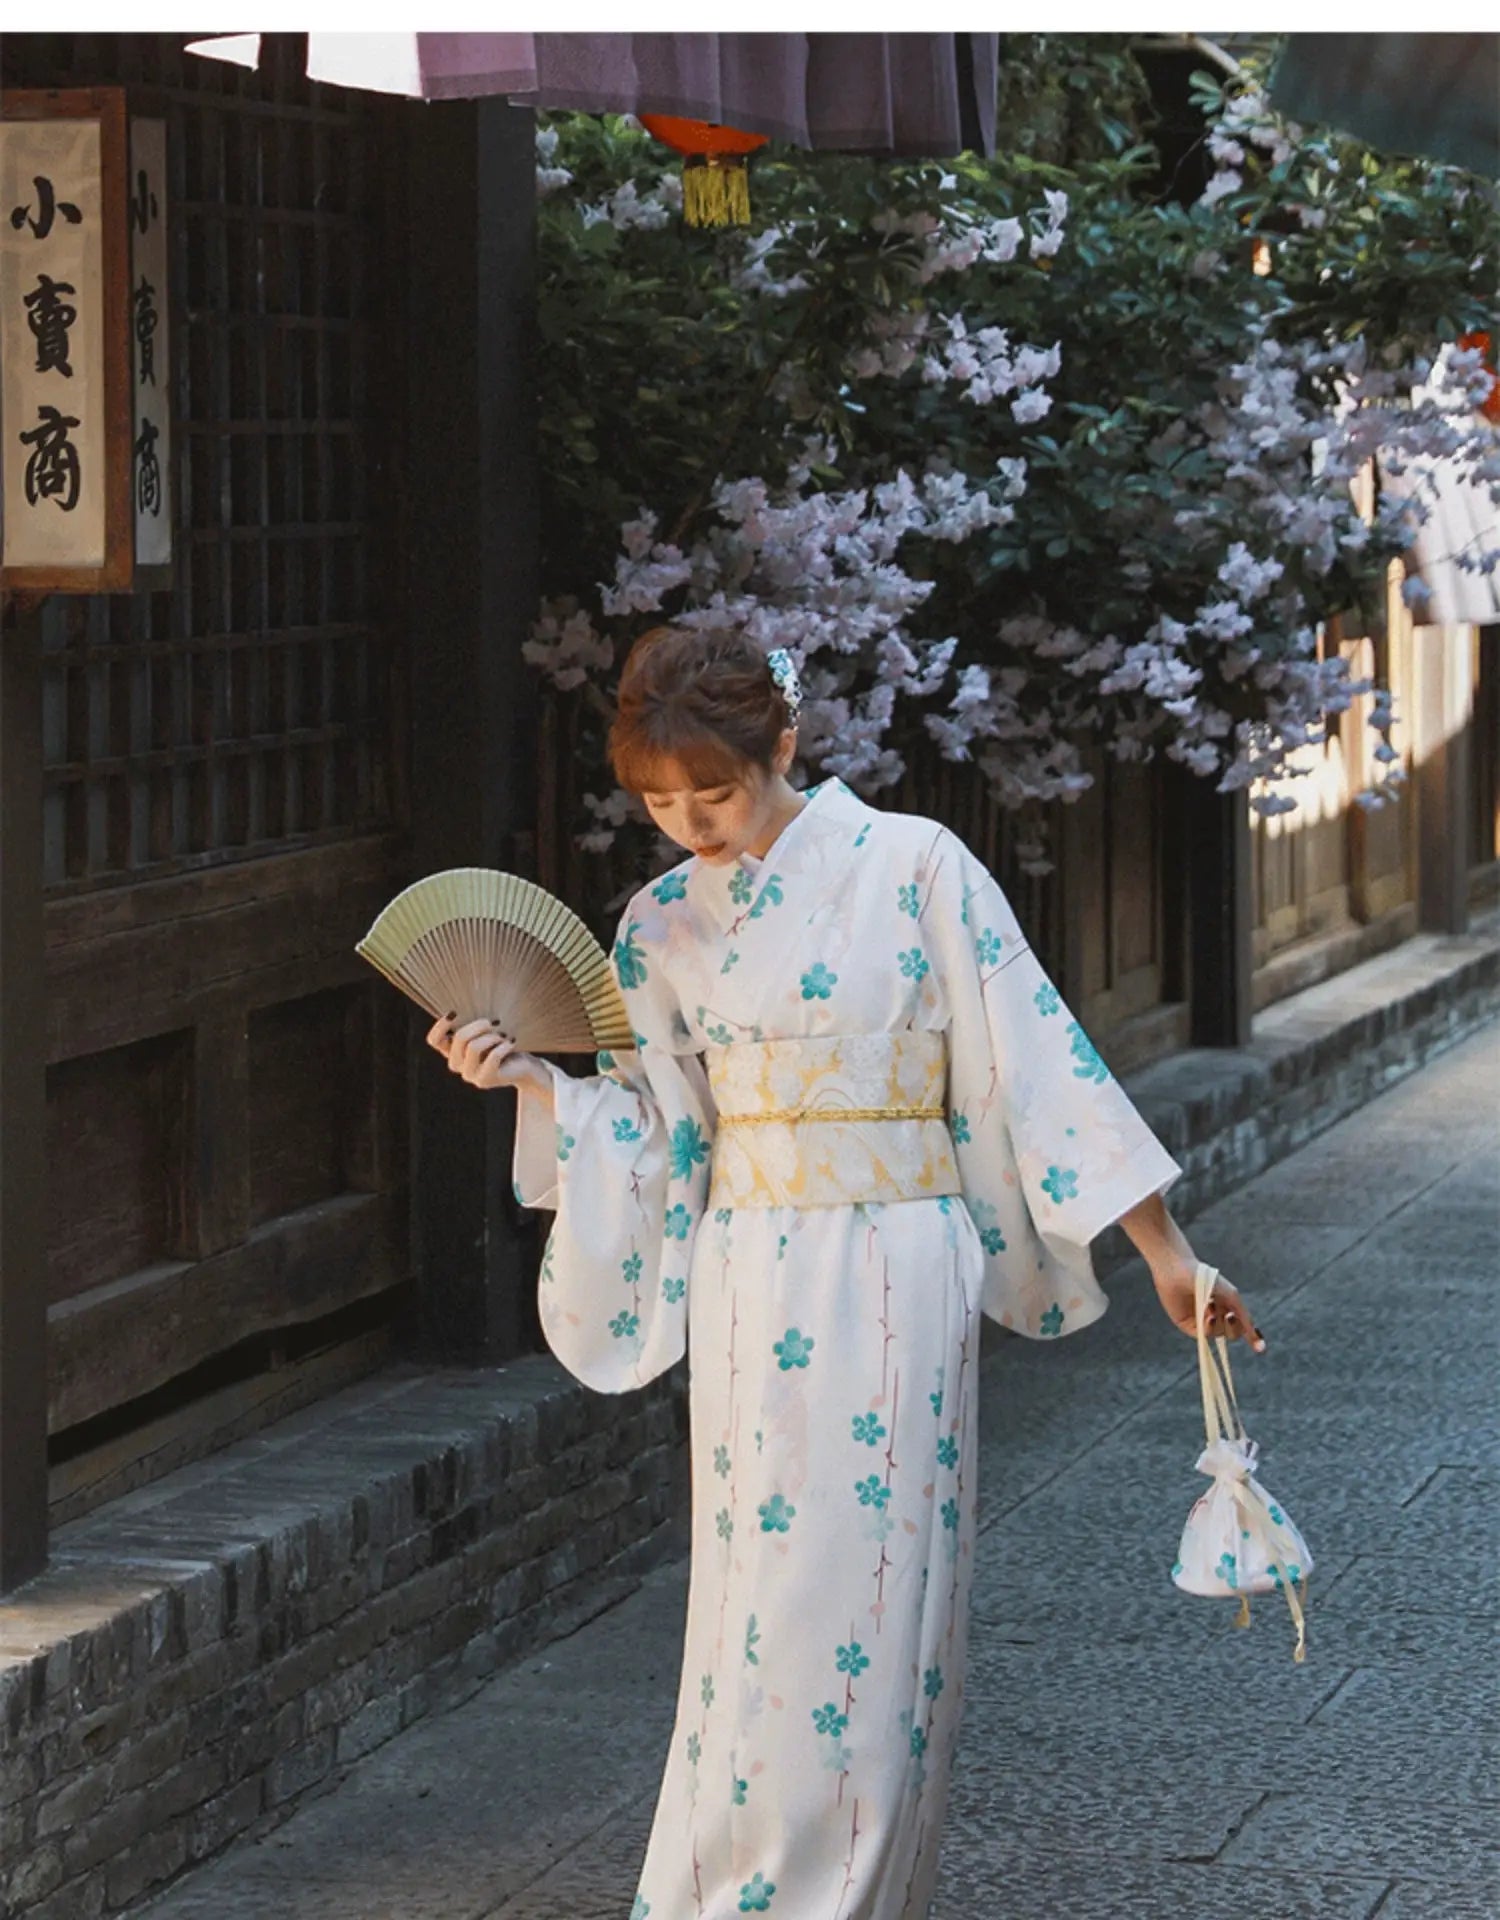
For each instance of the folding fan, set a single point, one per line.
(495, 947)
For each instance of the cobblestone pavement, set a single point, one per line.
(1125, 1752)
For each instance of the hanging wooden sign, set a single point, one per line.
(151, 349)
(66, 523)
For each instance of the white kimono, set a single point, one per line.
(832, 1336)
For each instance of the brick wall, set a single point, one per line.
(188, 1695)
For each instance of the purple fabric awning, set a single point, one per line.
(898, 93)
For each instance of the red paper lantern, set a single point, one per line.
(1490, 405)
(715, 180)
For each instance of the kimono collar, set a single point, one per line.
(830, 810)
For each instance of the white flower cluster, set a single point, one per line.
(1271, 514)
(819, 573)
(1049, 241)
(1247, 121)
(645, 573)
(609, 815)
(628, 207)
(549, 179)
(1288, 465)
(958, 240)
(988, 367)
(1023, 752)
(1246, 576)
(752, 274)
(566, 646)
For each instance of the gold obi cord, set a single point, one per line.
(831, 1122)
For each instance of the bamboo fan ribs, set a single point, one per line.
(493, 946)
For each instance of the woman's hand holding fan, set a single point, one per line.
(486, 1058)
(516, 967)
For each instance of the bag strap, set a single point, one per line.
(1221, 1409)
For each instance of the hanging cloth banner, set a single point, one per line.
(925, 94)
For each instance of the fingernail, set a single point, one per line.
(450, 1016)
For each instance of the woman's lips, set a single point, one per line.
(707, 853)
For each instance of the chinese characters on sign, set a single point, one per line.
(52, 339)
(47, 208)
(50, 319)
(52, 471)
(150, 384)
(85, 426)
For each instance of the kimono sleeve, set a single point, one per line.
(1050, 1149)
(625, 1165)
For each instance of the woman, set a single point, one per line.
(859, 1115)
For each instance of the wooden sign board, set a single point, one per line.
(151, 352)
(66, 463)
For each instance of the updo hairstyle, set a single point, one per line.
(704, 700)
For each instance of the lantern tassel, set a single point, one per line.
(715, 192)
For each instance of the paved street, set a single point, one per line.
(1125, 1752)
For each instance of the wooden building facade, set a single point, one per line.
(212, 1112)
(231, 1178)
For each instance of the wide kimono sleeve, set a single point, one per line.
(1050, 1149)
(626, 1167)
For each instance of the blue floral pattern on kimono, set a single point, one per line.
(833, 1349)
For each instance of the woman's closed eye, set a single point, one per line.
(663, 803)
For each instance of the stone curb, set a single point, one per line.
(1226, 1115)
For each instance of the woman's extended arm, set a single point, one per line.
(620, 1157)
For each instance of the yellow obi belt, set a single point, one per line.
(831, 1122)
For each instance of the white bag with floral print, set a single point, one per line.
(1237, 1540)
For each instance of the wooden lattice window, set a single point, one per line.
(246, 711)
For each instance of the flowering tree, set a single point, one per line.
(1009, 454)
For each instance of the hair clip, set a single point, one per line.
(784, 673)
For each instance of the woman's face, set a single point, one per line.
(722, 822)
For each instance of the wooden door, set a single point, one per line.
(1117, 961)
(222, 799)
(1330, 866)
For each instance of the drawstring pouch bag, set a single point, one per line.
(1237, 1540)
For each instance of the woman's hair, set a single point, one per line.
(704, 700)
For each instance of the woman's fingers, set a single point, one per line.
(462, 1045)
(490, 1057)
(440, 1033)
(478, 1052)
(1228, 1315)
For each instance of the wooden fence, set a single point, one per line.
(1334, 882)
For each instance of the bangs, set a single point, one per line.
(642, 754)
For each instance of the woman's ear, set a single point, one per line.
(786, 751)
